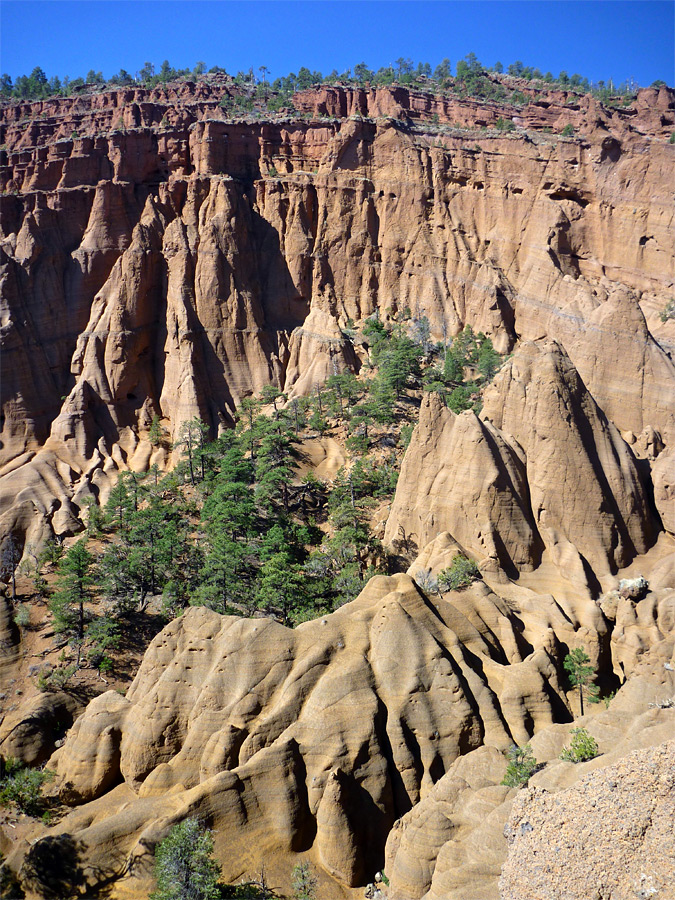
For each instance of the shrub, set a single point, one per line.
(426, 581)
(303, 882)
(460, 574)
(22, 787)
(568, 131)
(522, 765)
(583, 746)
(668, 311)
(57, 679)
(504, 124)
(184, 868)
(672, 138)
(22, 615)
(406, 435)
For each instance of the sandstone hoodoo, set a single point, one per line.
(359, 405)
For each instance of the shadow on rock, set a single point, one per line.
(54, 869)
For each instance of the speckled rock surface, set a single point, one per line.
(610, 837)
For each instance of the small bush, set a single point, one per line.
(568, 131)
(184, 867)
(460, 574)
(672, 138)
(406, 435)
(22, 787)
(426, 581)
(22, 615)
(57, 679)
(668, 311)
(522, 765)
(304, 882)
(582, 747)
(504, 124)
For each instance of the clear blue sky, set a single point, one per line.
(597, 38)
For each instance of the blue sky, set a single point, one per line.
(597, 38)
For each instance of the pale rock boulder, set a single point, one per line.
(94, 763)
(29, 733)
(316, 350)
(611, 834)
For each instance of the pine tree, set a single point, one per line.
(581, 674)
(11, 557)
(229, 518)
(192, 437)
(155, 432)
(184, 865)
(303, 882)
(75, 576)
(281, 583)
(119, 505)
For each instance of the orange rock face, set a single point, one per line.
(159, 260)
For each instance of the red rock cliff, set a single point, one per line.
(159, 260)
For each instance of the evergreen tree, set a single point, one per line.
(488, 359)
(184, 865)
(229, 519)
(119, 505)
(303, 882)
(155, 432)
(11, 557)
(578, 666)
(281, 584)
(75, 576)
(192, 437)
(443, 70)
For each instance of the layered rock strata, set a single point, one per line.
(172, 269)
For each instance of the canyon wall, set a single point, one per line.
(158, 260)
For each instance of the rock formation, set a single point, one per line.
(159, 260)
(314, 739)
(470, 828)
(542, 468)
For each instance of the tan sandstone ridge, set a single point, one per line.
(313, 740)
(542, 469)
(382, 724)
(164, 261)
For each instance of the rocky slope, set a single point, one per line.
(576, 827)
(541, 470)
(164, 261)
(177, 262)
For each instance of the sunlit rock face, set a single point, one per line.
(159, 260)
